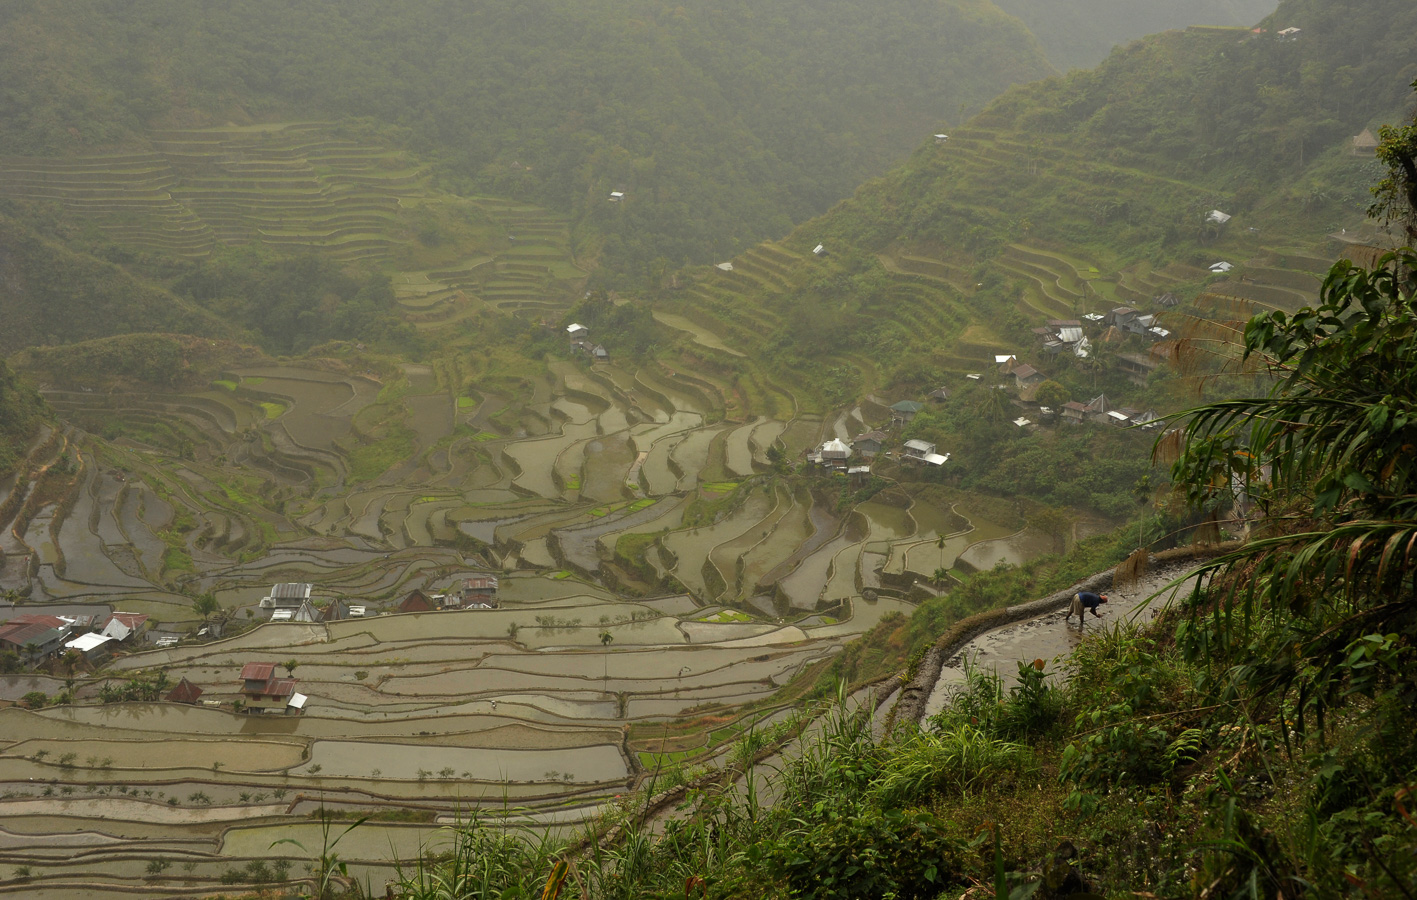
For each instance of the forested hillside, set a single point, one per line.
(21, 410)
(1127, 160)
(722, 122)
(1080, 33)
(53, 294)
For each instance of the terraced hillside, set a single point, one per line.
(658, 575)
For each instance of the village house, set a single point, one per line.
(335, 611)
(918, 449)
(869, 444)
(263, 692)
(419, 601)
(1364, 144)
(1138, 367)
(288, 595)
(833, 454)
(939, 395)
(33, 640)
(185, 692)
(474, 592)
(1167, 300)
(1216, 217)
(576, 331)
(1120, 317)
(905, 410)
(924, 452)
(1098, 408)
(92, 646)
(599, 353)
(1074, 413)
(123, 625)
(307, 613)
(1027, 378)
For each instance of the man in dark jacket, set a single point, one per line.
(1084, 601)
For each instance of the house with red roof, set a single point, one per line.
(417, 601)
(33, 641)
(263, 691)
(185, 692)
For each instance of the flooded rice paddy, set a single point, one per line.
(579, 486)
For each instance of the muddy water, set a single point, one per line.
(658, 477)
(791, 530)
(693, 547)
(607, 463)
(319, 413)
(691, 455)
(765, 436)
(576, 765)
(738, 450)
(537, 458)
(1014, 550)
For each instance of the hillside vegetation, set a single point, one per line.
(21, 411)
(1078, 34)
(51, 293)
(723, 122)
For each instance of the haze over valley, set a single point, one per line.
(539, 414)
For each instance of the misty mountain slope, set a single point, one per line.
(51, 294)
(723, 122)
(1077, 195)
(1129, 158)
(1080, 33)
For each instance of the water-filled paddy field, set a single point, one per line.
(655, 565)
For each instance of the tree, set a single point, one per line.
(290, 666)
(205, 604)
(1051, 393)
(1327, 606)
(606, 638)
(1395, 197)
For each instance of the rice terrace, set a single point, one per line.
(481, 438)
(661, 588)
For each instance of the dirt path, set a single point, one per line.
(1049, 638)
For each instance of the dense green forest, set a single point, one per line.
(1080, 33)
(723, 122)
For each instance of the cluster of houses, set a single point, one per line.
(579, 335)
(474, 592)
(837, 455)
(263, 692)
(293, 601)
(1100, 411)
(35, 637)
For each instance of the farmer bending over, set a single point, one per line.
(1084, 600)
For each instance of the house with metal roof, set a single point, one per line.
(287, 595)
(474, 592)
(185, 692)
(263, 692)
(905, 410)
